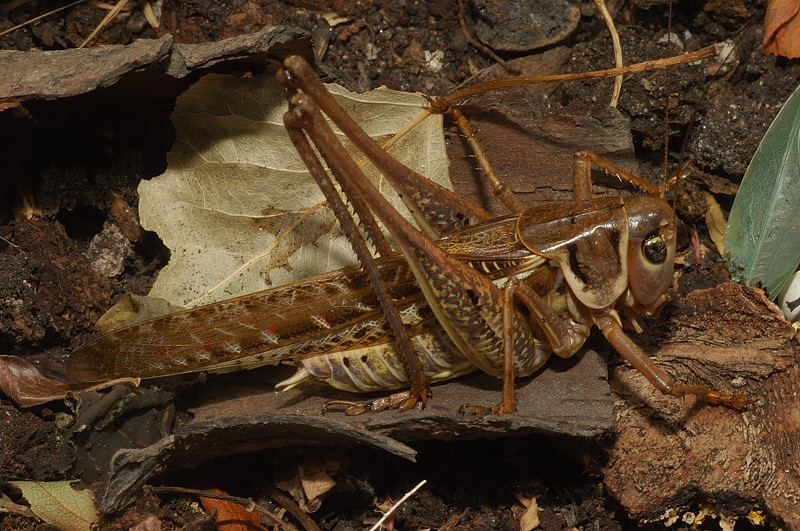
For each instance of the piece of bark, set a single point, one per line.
(569, 397)
(530, 143)
(669, 453)
(197, 442)
(30, 75)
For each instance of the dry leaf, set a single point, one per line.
(231, 516)
(132, 309)
(715, 221)
(530, 518)
(315, 482)
(59, 504)
(308, 480)
(236, 205)
(21, 381)
(782, 28)
(7, 505)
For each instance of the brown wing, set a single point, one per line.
(331, 312)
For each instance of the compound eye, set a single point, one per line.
(655, 249)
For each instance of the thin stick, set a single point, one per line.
(291, 506)
(703, 53)
(34, 19)
(246, 502)
(108, 18)
(394, 507)
(10, 243)
(601, 5)
(479, 45)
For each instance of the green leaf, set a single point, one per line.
(762, 241)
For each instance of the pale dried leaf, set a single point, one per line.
(789, 299)
(530, 518)
(7, 505)
(294, 487)
(316, 482)
(151, 523)
(308, 480)
(237, 207)
(132, 309)
(716, 222)
(59, 504)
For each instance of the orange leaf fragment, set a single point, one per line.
(232, 516)
(782, 28)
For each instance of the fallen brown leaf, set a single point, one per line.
(782, 28)
(21, 381)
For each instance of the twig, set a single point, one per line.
(601, 5)
(287, 503)
(388, 513)
(108, 18)
(246, 502)
(34, 19)
(10, 243)
(479, 45)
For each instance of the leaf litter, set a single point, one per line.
(59, 503)
(237, 207)
(733, 155)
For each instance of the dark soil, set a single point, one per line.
(66, 159)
